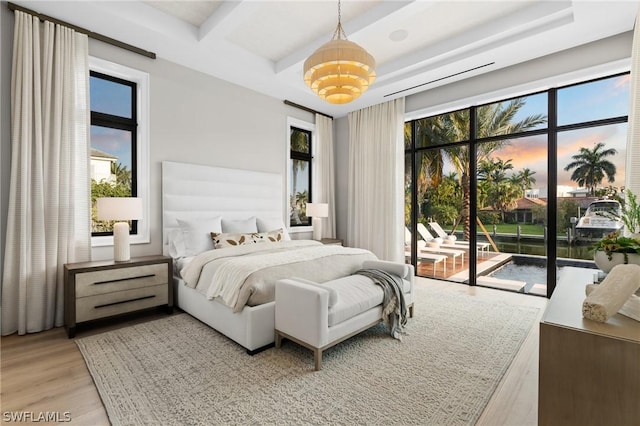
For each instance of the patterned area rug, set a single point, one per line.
(176, 370)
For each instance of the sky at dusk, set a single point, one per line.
(111, 98)
(587, 102)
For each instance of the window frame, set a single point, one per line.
(141, 233)
(309, 127)
(552, 130)
(111, 121)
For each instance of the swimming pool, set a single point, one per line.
(531, 274)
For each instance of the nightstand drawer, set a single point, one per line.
(106, 288)
(103, 305)
(107, 281)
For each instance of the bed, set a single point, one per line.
(196, 195)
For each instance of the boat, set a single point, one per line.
(601, 218)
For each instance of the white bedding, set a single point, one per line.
(246, 275)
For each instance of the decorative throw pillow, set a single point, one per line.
(270, 224)
(274, 236)
(222, 240)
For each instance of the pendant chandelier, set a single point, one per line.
(340, 70)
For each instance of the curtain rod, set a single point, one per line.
(13, 7)
(313, 111)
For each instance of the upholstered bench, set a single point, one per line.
(319, 316)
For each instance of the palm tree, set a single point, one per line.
(123, 176)
(500, 169)
(524, 180)
(492, 120)
(299, 142)
(591, 166)
(494, 187)
(503, 196)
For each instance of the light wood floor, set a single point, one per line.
(44, 372)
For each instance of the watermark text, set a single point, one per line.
(36, 416)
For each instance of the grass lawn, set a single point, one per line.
(510, 228)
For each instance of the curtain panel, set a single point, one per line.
(324, 175)
(632, 168)
(375, 207)
(48, 221)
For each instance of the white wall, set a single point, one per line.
(194, 118)
(594, 54)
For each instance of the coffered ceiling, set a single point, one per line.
(417, 44)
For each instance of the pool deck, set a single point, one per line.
(487, 263)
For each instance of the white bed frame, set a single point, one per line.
(196, 191)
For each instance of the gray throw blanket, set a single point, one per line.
(394, 309)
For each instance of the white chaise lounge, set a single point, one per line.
(319, 316)
(482, 247)
(434, 255)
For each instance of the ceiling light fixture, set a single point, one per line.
(340, 70)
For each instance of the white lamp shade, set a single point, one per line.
(119, 208)
(317, 210)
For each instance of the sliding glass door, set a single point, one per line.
(495, 194)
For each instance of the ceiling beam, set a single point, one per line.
(224, 19)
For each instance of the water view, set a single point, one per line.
(512, 193)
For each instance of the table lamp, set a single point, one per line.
(317, 211)
(124, 209)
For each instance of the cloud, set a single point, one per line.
(531, 152)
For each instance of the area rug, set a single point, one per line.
(176, 370)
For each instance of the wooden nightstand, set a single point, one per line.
(101, 289)
(331, 241)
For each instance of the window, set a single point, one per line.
(119, 144)
(300, 171)
(521, 204)
(113, 143)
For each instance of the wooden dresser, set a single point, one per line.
(589, 371)
(101, 289)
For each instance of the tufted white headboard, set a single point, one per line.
(192, 191)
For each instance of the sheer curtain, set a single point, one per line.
(375, 189)
(324, 175)
(49, 219)
(632, 168)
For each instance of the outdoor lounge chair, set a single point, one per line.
(431, 258)
(424, 249)
(481, 247)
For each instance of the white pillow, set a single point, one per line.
(266, 225)
(176, 244)
(239, 226)
(197, 233)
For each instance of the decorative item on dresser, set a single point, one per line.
(589, 371)
(101, 289)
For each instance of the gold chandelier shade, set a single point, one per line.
(339, 71)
